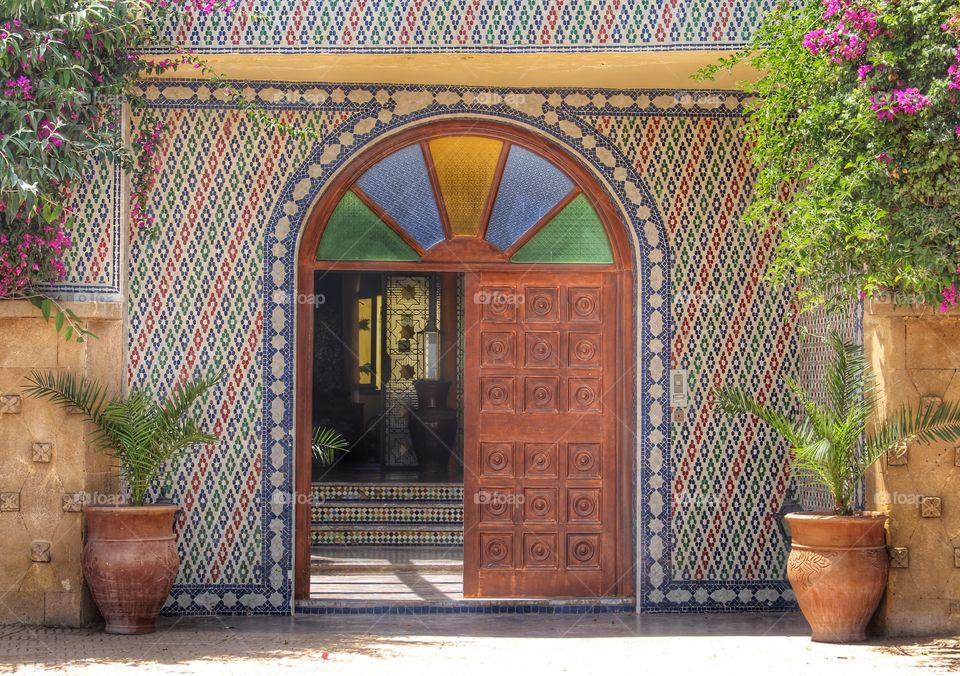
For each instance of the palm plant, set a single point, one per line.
(326, 443)
(142, 434)
(831, 440)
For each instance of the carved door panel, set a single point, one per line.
(540, 405)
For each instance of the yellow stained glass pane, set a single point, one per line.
(465, 167)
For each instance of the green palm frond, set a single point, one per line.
(733, 401)
(830, 441)
(143, 435)
(327, 442)
(926, 425)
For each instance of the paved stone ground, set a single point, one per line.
(458, 645)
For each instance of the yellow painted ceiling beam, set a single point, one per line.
(615, 70)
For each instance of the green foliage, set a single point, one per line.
(865, 202)
(327, 443)
(142, 434)
(65, 320)
(831, 440)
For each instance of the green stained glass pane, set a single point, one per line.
(354, 233)
(575, 235)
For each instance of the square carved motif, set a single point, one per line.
(930, 507)
(10, 403)
(42, 451)
(899, 557)
(496, 550)
(583, 505)
(541, 349)
(583, 395)
(498, 348)
(540, 550)
(496, 506)
(496, 459)
(583, 550)
(499, 303)
(899, 456)
(72, 502)
(540, 395)
(40, 551)
(583, 461)
(9, 502)
(540, 461)
(540, 505)
(496, 395)
(541, 304)
(583, 350)
(583, 304)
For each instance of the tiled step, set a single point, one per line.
(387, 492)
(369, 511)
(387, 534)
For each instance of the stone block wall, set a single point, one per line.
(916, 356)
(47, 468)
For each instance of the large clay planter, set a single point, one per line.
(838, 569)
(433, 428)
(130, 562)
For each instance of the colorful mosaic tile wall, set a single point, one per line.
(811, 367)
(93, 260)
(216, 290)
(408, 26)
(729, 476)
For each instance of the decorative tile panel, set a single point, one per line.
(93, 259)
(40, 551)
(11, 403)
(411, 26)
(41, 451)
(9, 502)
(930, 507)
(899, 557)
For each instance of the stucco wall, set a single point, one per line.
(47, 467)
(916, 353)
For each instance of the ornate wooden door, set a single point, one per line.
(540, 404)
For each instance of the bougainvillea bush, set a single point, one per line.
(856, 132)
(67, 68)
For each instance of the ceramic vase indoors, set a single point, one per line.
(838, 569)
(433, 428)
(130, 561)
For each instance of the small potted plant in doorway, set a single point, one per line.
(838, 562)
(130, 555)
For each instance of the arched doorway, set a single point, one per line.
(547, 321)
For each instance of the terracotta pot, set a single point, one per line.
(130, 562)
(838, 569)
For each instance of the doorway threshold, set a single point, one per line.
(571, 606)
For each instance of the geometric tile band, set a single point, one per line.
(411, 26)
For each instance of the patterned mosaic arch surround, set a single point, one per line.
(394, 109)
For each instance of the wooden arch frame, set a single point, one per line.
(478, 256)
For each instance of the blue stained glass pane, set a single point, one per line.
(531, 186)
(400, 185)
